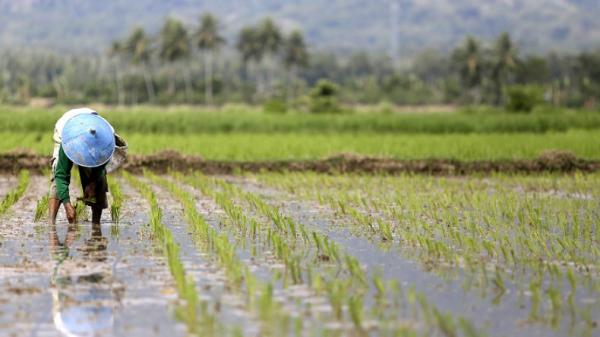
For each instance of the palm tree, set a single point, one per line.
(174, 46)
(269, 43)
(505, 63)
(296, 56)
(469, 61)
(139, 51)
(116, 51)
(248, 47)
(209, 41)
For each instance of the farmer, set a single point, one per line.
(87, 140)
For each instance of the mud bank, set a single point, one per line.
(552, 161)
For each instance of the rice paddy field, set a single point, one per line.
(306, 254)
(185, 253)
(245, 134)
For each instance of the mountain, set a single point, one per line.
(338, 25)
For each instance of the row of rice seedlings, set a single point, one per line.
(448, 233)
(343, 293)
(117, 199)
(194, 311)
(517, 248)
(289, 243)
(15, 194)
(256, 231)
(355, 302)
(258, 295)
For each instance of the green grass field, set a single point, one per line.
(246, 134)
(262, 146)
(192, 120)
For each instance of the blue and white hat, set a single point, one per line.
(88, 140)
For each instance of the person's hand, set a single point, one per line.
(71, 214)
(90, 190)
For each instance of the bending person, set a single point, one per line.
(87, 140)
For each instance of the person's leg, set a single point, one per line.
(53, 206)
(101, 199)
(96, 214)
(53, 203)
(94, 189)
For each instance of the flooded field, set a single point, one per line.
(306, 254)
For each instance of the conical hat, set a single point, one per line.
(88, 140)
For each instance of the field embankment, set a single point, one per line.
(551, 161)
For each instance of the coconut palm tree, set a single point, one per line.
(174, 47)
(139, 51)
(115, 52)
(249, 48)
(208, 40)
(505, 63)
(295, 56)
(270, 41)
(469, 61)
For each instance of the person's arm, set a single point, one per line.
(62, 176)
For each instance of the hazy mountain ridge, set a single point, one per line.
(337, 24)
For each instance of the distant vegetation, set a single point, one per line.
(234, 119)
(276, 69)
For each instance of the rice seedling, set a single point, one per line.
(15, 194)
(117, 199)
(355, 308)
(41, 208)
(80, 210)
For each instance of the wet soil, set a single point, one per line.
(551, 161)
(508, 316)
(214, 287)
(82, 280)
(211, 281)
(6, 184)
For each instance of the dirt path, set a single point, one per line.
(82, 280)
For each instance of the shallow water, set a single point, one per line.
(113, 280)
(66, 280)
(508, 317)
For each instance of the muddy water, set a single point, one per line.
(296, 300)
(6, 184)
(506, 318)
(79, 280)
(211, 282)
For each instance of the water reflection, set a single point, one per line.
(84, 292)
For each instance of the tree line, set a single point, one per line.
(264, 64)
(176, 49)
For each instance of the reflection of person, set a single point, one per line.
(84, 295)
(87, 140)
(61, 250)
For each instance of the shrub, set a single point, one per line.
(275, 106)
(523, 98)
(323, 98)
